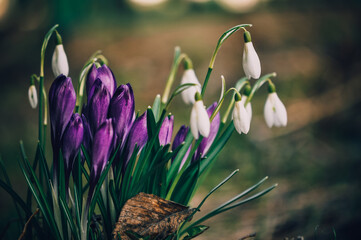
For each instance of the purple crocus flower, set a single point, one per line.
(179, 139)
(72, 138)
(207, 142)
(121, 110)
(166, 130)
(138, 135)
(98, 105)
(105, 75)
(62, 100)
(102, 148)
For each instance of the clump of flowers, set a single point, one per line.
(104, 153)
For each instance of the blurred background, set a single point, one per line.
(312, 45)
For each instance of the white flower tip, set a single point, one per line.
(60, 61)
(33, 96)
(251, 62)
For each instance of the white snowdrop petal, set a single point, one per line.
(251, 62)
(33, 96)
(204, 125)
(248, 107)
(281, 113)
(189, 76)
(60, 61)
(193, 123)
(269, 112)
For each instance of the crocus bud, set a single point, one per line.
(207, 141)
(275, 112)
(102, 147)
(199, 121)
(166, 130)
(121, 109)
(72, 138)
(62, 100)
(251, 63)
(241, 119)
(105, 75)
(59, 61)
(189, 76)
(33, 96)
(179, 139)
(138, 135)
(98, 105)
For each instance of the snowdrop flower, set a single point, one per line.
(59, 60)
(275, 112)
(33, 96)
(248, 107)
(189, 76)
(251, 63)
(199, 123)
(240, 116)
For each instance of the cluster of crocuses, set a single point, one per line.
(106, 129)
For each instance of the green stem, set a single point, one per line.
(171, 77)
(258, 85)
(239, 85)
(185, 165)
(206, 80)
(41, 109)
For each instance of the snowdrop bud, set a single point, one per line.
(251, 63)
(33, 96)
(241, 119)
(199, 122)
(275, 112)
(189, 76)
(60, 61)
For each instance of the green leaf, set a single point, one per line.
(66, 210)
(156, 107)
(195, 231)
(184, 189)
(7, 180)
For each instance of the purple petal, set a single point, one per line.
(138, 135)
(179, 139)
(121, 109)
(107, 77)
(92, 76)
(98, 105)
(62, 100)
(102, 147)
(166, 130)
(207, 142)
(72, 138)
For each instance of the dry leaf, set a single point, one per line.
(149, 215)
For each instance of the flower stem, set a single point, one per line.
(171, 77)
(41, 109)
(206, 80)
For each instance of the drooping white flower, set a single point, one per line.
(60, 61)
(275, 112)
(240, 116)
(33, 96)
(199, 121)
(251, 63)
(189, 76)
(248, 107)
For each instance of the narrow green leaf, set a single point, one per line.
(66, 211)
(195, 231)
(156, 107)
